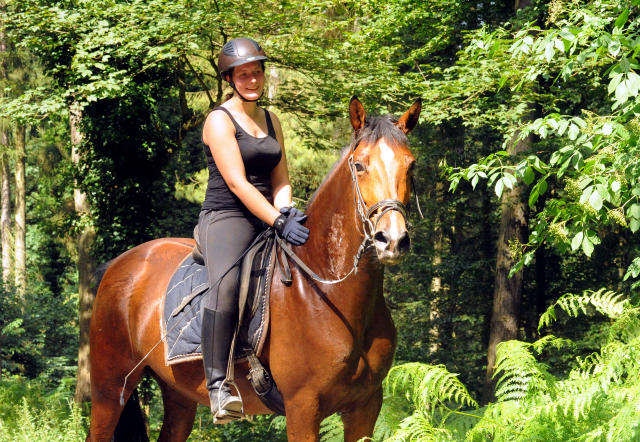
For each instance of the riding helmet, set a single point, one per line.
(239, 51)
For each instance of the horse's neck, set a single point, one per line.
(336, 233)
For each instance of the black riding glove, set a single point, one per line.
(292, 229)
(291, 212)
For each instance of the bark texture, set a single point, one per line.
(436, 260)
(86, 268)
(20, 212)
(507, 295)
(5, 214)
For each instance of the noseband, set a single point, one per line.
(386, 205)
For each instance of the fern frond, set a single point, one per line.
(428, 386)
(332, 429)
(518, 372)
(417, 428)
(609, 303)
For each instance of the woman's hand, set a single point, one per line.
(291, 229)
(291, 212)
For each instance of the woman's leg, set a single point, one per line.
(224, 236)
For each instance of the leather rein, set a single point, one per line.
(368, 227)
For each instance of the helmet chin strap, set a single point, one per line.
(246, 100)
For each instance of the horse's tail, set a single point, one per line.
(96, 278)
(131, 426)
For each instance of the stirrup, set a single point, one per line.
(226, 416)
(223, 416)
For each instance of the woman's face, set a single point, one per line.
(249, 79)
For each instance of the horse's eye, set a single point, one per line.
(360, 167)
(412, 167)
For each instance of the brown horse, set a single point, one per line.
(330, 346)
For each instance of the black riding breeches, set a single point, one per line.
(224, 236)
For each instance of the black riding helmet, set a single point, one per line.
(236, 52)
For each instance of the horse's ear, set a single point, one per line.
(356, 113)
(408, 121)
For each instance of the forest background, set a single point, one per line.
(102, 104)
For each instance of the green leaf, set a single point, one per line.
(529, 176)
(533, 197)
(622, 19)
(542, 187)
(634, 211)
(499, 187)
(625, 65)
(577, 240)
(587, 246)
(568, 34)
(634, 225)
(622, 94)
(595, 200)
(573, 131)
(563, 127)
(615, 186)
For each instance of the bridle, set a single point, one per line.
(368, 227)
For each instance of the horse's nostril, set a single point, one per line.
(381, 237)
(404, 243)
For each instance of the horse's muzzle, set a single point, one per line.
(391, 248)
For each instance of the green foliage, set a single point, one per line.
(597, 401)
(26, 414)
(428, 385)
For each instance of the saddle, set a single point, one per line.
(182, 318)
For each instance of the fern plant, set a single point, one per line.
(598, 401)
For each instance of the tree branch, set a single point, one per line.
(204, 86)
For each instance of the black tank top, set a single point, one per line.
(260, 157)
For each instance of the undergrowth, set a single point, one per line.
(598, 401)
(37, 411)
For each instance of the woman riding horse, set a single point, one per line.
(248, 189)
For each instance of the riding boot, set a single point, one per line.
(217, 334)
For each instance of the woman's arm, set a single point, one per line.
(280, 185)
(219, 135)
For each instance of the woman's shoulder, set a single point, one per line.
(219, 118)
(217, 122)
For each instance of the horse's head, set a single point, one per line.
(383, 166)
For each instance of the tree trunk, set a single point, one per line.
(5, 189)
(507, 292)
(86, 267)
(5, 213)
(436, 261)
(20, 212)
(507, 295)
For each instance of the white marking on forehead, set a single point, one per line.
(386, 153)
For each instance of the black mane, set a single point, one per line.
(375, 127)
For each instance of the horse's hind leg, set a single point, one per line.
(105, 413)
(360, 421)
(179, 415)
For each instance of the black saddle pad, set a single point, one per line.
(184, 300)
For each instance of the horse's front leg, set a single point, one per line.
(360, 420)
(303, 418)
